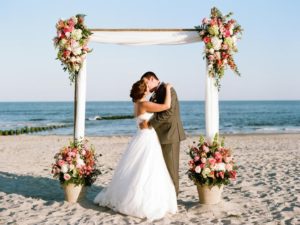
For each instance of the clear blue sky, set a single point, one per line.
(268, 55)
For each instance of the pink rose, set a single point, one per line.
(191, 163)
(218, 157)
(226, 33)
(205, 148)
(211, 57)
(206, 40)
(232, 174)
(67, 30)
(67, 176)
(212, 161)
(71, 22)
(83, 152)
(202, 165)
(61, 162)
(203, 160)
(220, 174)
(228, 167)
(198, 169)
(196, 158)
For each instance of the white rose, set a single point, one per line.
(62, 42)
(77, 34)
(220, 167)
(198, 169)
(216, 43)
(79, 161)
(205, 172)
(73, 59)
(76, 51)
(211, 51)
(210, 66)
(74, 18)
(72, 167)
(234, 39)
(64, 168)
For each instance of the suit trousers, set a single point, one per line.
(171, 156)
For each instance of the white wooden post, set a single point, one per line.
(211, 107)
(79, 104)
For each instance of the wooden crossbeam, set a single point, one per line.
(142, 29)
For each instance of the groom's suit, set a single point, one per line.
(169, 129)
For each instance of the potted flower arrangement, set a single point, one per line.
(75, 167)
(211, 167)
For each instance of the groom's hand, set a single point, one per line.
(144, 125)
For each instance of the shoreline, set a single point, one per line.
(131, 135)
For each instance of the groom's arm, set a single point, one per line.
(163, 116)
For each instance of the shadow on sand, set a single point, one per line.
(41, 188)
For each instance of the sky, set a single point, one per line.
(268, 56)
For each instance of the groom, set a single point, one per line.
(167, 125)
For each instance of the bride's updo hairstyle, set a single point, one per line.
(138, 90)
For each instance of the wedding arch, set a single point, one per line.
(218, 33)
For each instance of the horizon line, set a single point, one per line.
(224, 100)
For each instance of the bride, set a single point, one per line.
(141, 185)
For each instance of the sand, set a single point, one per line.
(267, 190)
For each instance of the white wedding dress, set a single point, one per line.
(141, 185)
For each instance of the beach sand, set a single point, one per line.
(267, 190)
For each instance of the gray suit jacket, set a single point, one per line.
(167, 124)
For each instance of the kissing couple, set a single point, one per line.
(145, 183)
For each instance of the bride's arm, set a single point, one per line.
(155, 107)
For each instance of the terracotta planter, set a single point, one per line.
(74, 193)
(209, 194)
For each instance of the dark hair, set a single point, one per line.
(148, 75)
(138, 90)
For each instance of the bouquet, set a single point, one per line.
(211, 164)
(71, 41)
(220, 34)
(76, 164)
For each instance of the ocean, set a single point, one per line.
(236, 117)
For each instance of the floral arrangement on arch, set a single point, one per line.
(71, 41)
(211, 164)
(220, 34)
(76, 164)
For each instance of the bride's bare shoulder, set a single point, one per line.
(141, 107)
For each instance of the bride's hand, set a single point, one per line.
(168, 85)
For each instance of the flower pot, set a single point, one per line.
(209, 194)
(74, 193)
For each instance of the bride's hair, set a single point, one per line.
(138, 90)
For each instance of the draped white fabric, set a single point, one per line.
(145, 37)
